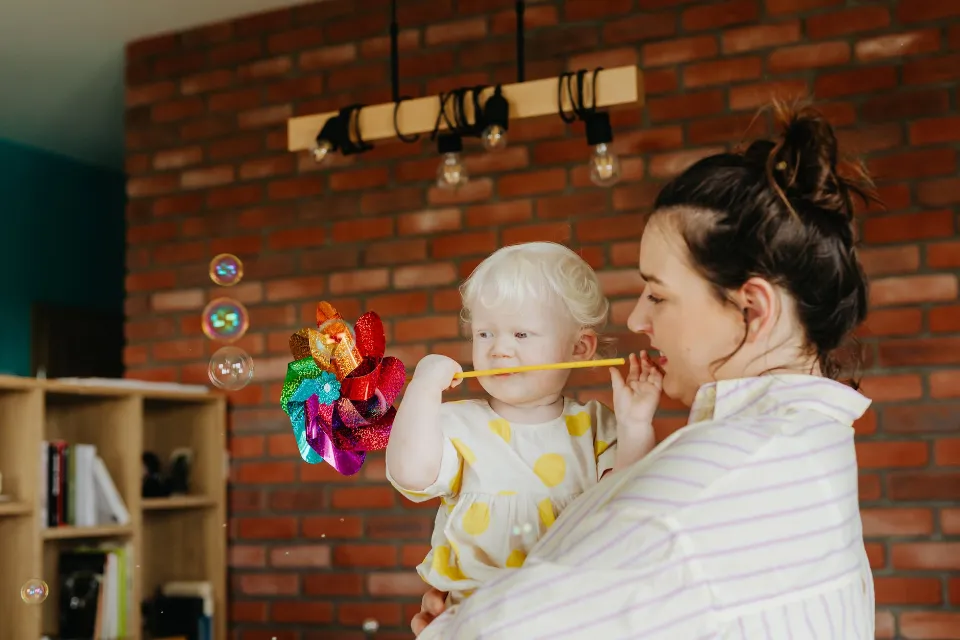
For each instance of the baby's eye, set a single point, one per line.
(520, 335)
(483, 335)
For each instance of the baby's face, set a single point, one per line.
(529, 334)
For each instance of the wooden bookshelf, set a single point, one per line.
(181, 538)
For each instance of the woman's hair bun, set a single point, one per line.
(804, 165)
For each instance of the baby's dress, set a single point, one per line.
(504, 483)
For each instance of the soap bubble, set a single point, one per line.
(226, 270)
(225, 320)
(370, 625)
(231, 368)
(34, 591)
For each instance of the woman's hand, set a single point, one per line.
(431, 606)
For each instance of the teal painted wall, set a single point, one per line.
(61, 241)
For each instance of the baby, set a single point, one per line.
(505, 467)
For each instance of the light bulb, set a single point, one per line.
(451, 173)
(321, 150)
(604, 166)
(494, 137)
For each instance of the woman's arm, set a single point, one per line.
(625, 574)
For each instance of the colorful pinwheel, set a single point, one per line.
(340, 389)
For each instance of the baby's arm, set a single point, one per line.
(415, 450)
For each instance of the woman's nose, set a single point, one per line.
(639, 320)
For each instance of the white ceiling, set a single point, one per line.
(62, 66)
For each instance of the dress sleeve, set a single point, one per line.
(447, 484)
(625, 574)
(605, 439)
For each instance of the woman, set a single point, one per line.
(745, 523)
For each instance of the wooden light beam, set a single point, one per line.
(616, 87)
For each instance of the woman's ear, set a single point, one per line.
(586, 345)
(760, 304)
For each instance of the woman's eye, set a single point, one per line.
(654, 299)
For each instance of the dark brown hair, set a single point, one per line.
(781, 210)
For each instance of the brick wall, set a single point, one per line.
(206, 112)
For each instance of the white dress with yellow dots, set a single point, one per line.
(504, 483)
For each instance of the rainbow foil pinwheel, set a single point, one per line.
(340, 389)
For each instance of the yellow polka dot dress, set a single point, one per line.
(504, 483)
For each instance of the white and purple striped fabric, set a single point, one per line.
(744, 524)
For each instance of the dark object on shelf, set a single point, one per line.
(158, 483)
(167, 617)
(80, 574)
(154, 483)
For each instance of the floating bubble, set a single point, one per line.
(231, 368)
(226, 270)
(225, 320)
(370, 625)
(34, 591)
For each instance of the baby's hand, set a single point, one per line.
(635, 399)
(436, 372)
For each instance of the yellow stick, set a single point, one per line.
(583, 364)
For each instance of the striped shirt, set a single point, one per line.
(744, 524)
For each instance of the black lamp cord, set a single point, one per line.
(577, 101)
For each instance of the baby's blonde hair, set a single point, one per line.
(540, 270)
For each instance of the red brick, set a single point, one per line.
(947, 452)
(940, 192)
(532, 183)
(932, 70)
(721, 72)
(511, 212)
(719, 15)
(846, 21)
(177, 110)
(207, 177)
(892, 322)
(475, 190)
(778, 7)
(926, 10)
(424, 275)
(896, 522)
(302, 612)
(395, 252)
(898, 45)
(752, 96)
(638, 28)
(264, 116)
(945, 384)
(892, 388)
(551, 232)
(944, 319)
(857, 81)
(926, 555)
(914, 164)
(929, 624)
(679, 50)
(907, 591)
(808, 56)
(463, 244)
(668, 165)
(934, 130)
(429, 222)
(351, 282)
(426, 329)
(906, 104)
(913, 289)
(921, 351)
(683, 107)
(760, 37)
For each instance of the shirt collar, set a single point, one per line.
(777, 394)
